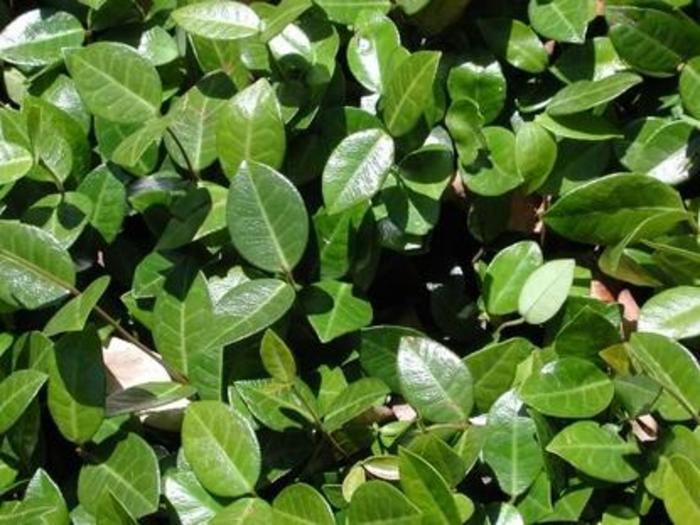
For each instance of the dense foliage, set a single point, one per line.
(349, 261)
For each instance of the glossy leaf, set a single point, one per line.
(73, 315)
(266, 218)
(587, 94)
(434, 380)
(515, 42)
(545, 290)
(561, 20)
(506, 275)
(218, 20)
(18, 390)
(334, 310)
(210, 425)
(673, 313)
(378, 502)
(301, 504)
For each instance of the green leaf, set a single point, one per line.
(426, 489)
(574, 338)
(245, 511)
(506, 275)
(353, 401)
(76, 394)
(561, 20)
(651, 40)
(108, 196)
(191, 502)
(605, 210)
(15, 162)
(35, 269)
(115, 82)
(545, 290)
(249, 308)
(670, 365)
(370, 50)
(267, 218)
(579, 126)
(43, 503)
(74, 314)
(193, 122)
(535, 154)
(277, 358)
(334, 310)
(212, 426)
(250, 128)
(515, 42)
(347, 11)
(110, 511)
(279, 405)
(510, 446)
(681, 496)
(379, 503)
(301, 504)
(37, 37)
(494, 369)
(183, 317)
(218, 20)
(480, 80)
(408, 91)
(62, 215)
(127, 467)
(588, 94)
(596, 451)
(689, 86)
(16, 393)
(496, 173)
(146, 396)
(379, 346)
(569, 387)
(130, 151)
(674, 313)
(356, 169)
(434, 380)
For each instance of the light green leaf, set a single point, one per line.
(193, 122)
(15, 162)
(221, 447)
(218, 20)
(334, 310)
(510, 447)
(535, 154)
(77, 383)
(605, 210)
(249, 308)
(267, 218)
(596, 451)
(515, 42)
(357, 169)
(569, 387)
(588, 94)
(62, 215)
(128, 468)
(480, 79)
(545, 290)
(682, 490)
(279, 405)
(670, 365)
(434, 380)
(131, 150)
(250, 128)
(379, 503)
(110, 511)
(562, 20)
(37, 37)
(73, 315)
(427, 489)
(370, 50)
(579, 126)
(183, 318)
(16, 392)
(408, 91)
(689, 86)
(34, 268)
(191, 502)
(506, 275)
(277, 358)
(300, 504)
(494, 369)
(115, 82)
(347, 11)
(245, 511)
(496, 173)
(108, 196)
(674, 313)
(353, 401)
(379, 346)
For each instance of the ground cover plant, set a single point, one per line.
(349, 261)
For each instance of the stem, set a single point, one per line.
(317, 421)
(193, 173)
(174, 374)
(507, 324)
